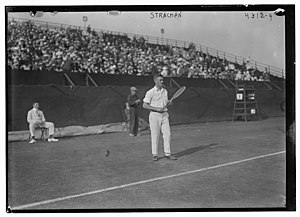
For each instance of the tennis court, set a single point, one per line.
(220, 165)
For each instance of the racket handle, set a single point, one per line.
(167, 104)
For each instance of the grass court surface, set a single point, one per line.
(220, 165)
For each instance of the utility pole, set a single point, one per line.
(162, 31)
(85, 19)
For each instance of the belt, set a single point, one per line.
(159, 112)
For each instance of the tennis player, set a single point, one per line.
(155, 100)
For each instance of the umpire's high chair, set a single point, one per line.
(43, 130)
(245, 105)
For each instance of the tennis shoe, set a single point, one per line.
(155, 158)
(170, 157)
(32, 141)
(52, 140)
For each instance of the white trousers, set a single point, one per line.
(159, 122)
(48, 125)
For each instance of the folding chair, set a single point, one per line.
(43, 132)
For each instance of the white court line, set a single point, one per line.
(140, 182)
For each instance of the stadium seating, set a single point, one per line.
(33, 47)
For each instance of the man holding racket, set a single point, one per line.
(156, 100)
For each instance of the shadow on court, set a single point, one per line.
(190, 151)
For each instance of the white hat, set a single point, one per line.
(133, 88)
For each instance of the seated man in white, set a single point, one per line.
(36, 118)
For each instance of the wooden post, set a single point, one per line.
(86, 80)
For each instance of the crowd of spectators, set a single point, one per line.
(32, 47)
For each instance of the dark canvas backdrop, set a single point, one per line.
(91, 106)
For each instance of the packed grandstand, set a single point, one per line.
(72, 49)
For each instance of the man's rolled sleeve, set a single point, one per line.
(147, 98)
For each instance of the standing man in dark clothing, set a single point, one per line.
(68, 64)
(153, 69)
(133, 102)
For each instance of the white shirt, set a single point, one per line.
(156, 97)
(164, 73)
(35, 115)
(238, 76)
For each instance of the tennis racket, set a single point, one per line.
(176, 94)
